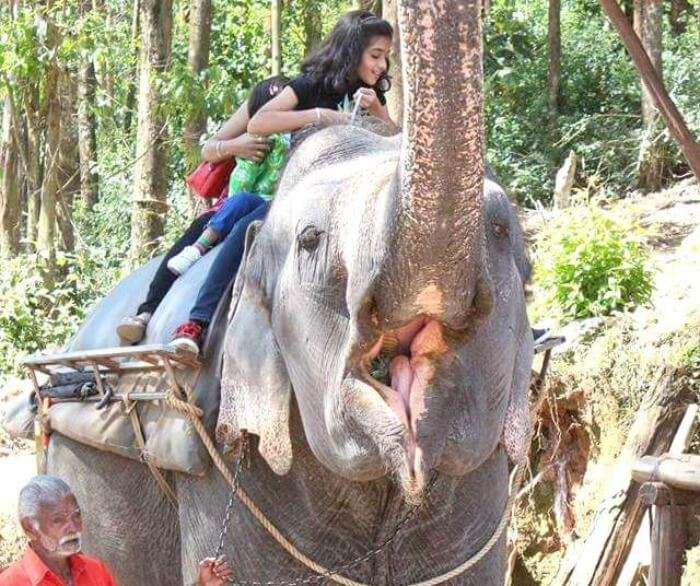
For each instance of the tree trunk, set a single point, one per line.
(198, 61)
(652, 43)
(69, 167)
(47, 217)
(9, 187)
(652, 164)
(10, 197)
(637, 15)
(34, 175)
(103, 71)
(276, 36)
(151, 172)
(131, 91)
(312, 26)
(554, 53)
(394, 97)
(678, 8)
(87, 141)
(371, 6)
(672, 116)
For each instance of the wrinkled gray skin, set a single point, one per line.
(328, 277)
(332, 508)
(292, 332)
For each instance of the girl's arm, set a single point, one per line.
(232, 141)
(278, 115)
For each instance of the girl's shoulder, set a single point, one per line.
(304, 86)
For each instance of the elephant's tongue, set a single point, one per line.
(411, 374)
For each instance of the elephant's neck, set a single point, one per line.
(335, 521)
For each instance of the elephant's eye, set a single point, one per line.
(309, 238)
(500, 229)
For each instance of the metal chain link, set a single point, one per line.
(229, 506)
(340, 569)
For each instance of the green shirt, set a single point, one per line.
(262, 177)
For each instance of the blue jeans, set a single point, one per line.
(226, 264)
(235, 207)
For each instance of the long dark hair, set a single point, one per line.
(336, 61)
(264, 91)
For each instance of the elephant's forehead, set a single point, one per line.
(340, 193)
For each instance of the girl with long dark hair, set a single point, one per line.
(349, 69)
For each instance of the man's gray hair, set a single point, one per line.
(38, 491)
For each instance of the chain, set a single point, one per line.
(229, 506)
(340, 569)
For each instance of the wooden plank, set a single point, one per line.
(640, 551)
(685, 430)
(98, 380)
(600, 557)
(111, 354)
(681, 471)
(639, 559)
(145, 396)
(106, 362)
(668, 540)
(660, 494)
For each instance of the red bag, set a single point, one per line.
(210, 180)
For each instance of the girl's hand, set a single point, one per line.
(213, 572)
(328, 116)
(253, 148)
(368, 99)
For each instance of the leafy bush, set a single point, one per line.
(43, 310)
(590, 265)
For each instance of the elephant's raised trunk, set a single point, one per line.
(434, 256)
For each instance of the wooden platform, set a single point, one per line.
(119, 360)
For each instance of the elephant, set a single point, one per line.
(377, 354)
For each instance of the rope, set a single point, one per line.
(189, 411)
(193, 413)
(130, 408)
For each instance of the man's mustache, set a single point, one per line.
(71, 537)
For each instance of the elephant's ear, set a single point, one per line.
(255, 388)
(516, 429)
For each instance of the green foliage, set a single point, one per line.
(600, 99)
(42, 308)
(598, 118)
(590, 265)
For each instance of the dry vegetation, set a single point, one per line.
(598, 380)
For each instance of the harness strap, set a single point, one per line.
(155, 471)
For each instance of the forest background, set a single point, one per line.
(105, 104)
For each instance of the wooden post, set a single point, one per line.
(599, 559)
(674, 120)
(668, 533)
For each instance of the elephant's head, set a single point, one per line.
(385, 288)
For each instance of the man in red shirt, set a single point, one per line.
(51, 519)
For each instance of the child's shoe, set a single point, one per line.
(180, 263)
(132, 329)
(189, 336)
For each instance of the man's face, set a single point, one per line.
(58, 526)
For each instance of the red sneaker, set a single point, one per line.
(189, 336)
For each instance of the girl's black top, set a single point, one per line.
(312, 93)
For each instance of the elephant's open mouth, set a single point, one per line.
(399, 366)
